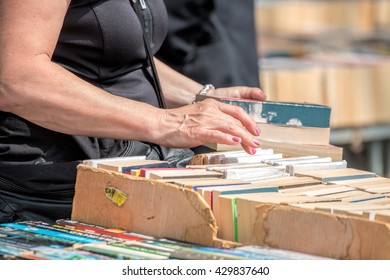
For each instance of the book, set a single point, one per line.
(294, 134)
(281, 113)
(34, 238)
(202, 183)
(223, 167)
(363, 183)
(287, 149)
(379, 189)
(53, 233)
(255, 174)
(288, 182)
(251, 158)
(364, 198)
(94, 162)
(63, 254)
(202, 254)
(188, 173)
(191, 182)
(119, 252)
(211, 193)
(219, 157)
(318, 190)
(337, 174)
(128, 166)
(114, 233)
(145, 171)
(268, 253)
(299, 160)
(294, 168)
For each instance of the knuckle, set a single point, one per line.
(233, 125)
(230, 126)
(239, 110)
(213, 134)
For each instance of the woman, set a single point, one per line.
(75, 84)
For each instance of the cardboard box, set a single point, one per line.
(158, 209)
(144, 206)
(320, 233)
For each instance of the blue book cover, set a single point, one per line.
(282, 113)
(267, 253)
(63, 254)
(195, 188)
(250, 190)
(57, 234)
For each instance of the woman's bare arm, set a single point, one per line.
(35, 88)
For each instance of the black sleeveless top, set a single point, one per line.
(101, 42)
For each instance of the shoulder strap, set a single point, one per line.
(138, 6)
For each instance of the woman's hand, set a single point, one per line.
(208, 121)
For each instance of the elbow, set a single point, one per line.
(5, 104)
(9, 84)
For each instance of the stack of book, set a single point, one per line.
(230, 198)
(73, 240)
(293, 129)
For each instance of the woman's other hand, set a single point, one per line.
(239, 92)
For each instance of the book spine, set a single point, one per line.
(255, 190)
(114, 233)
(54, 233)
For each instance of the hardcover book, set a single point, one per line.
(285, 148)
(128, 166)
(337, 174)
(281, 113)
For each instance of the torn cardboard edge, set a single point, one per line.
(145, 206)
(319, 233)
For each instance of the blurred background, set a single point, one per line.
(335, 53)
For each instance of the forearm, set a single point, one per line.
(50, 96)
(178, 89)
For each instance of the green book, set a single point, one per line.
(281, 113)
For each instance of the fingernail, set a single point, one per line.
(256, 142)
(258, 131)
(254, 151)
(236, 139)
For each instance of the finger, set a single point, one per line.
(239, 134)
(215, 136)
(240, 115)
(251, 150)
(252, 93)
(249, 143)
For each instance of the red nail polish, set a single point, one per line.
(256, 142)
(254, 151)
(236, 139)
(258, 131)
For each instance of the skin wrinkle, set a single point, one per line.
(190, 123)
